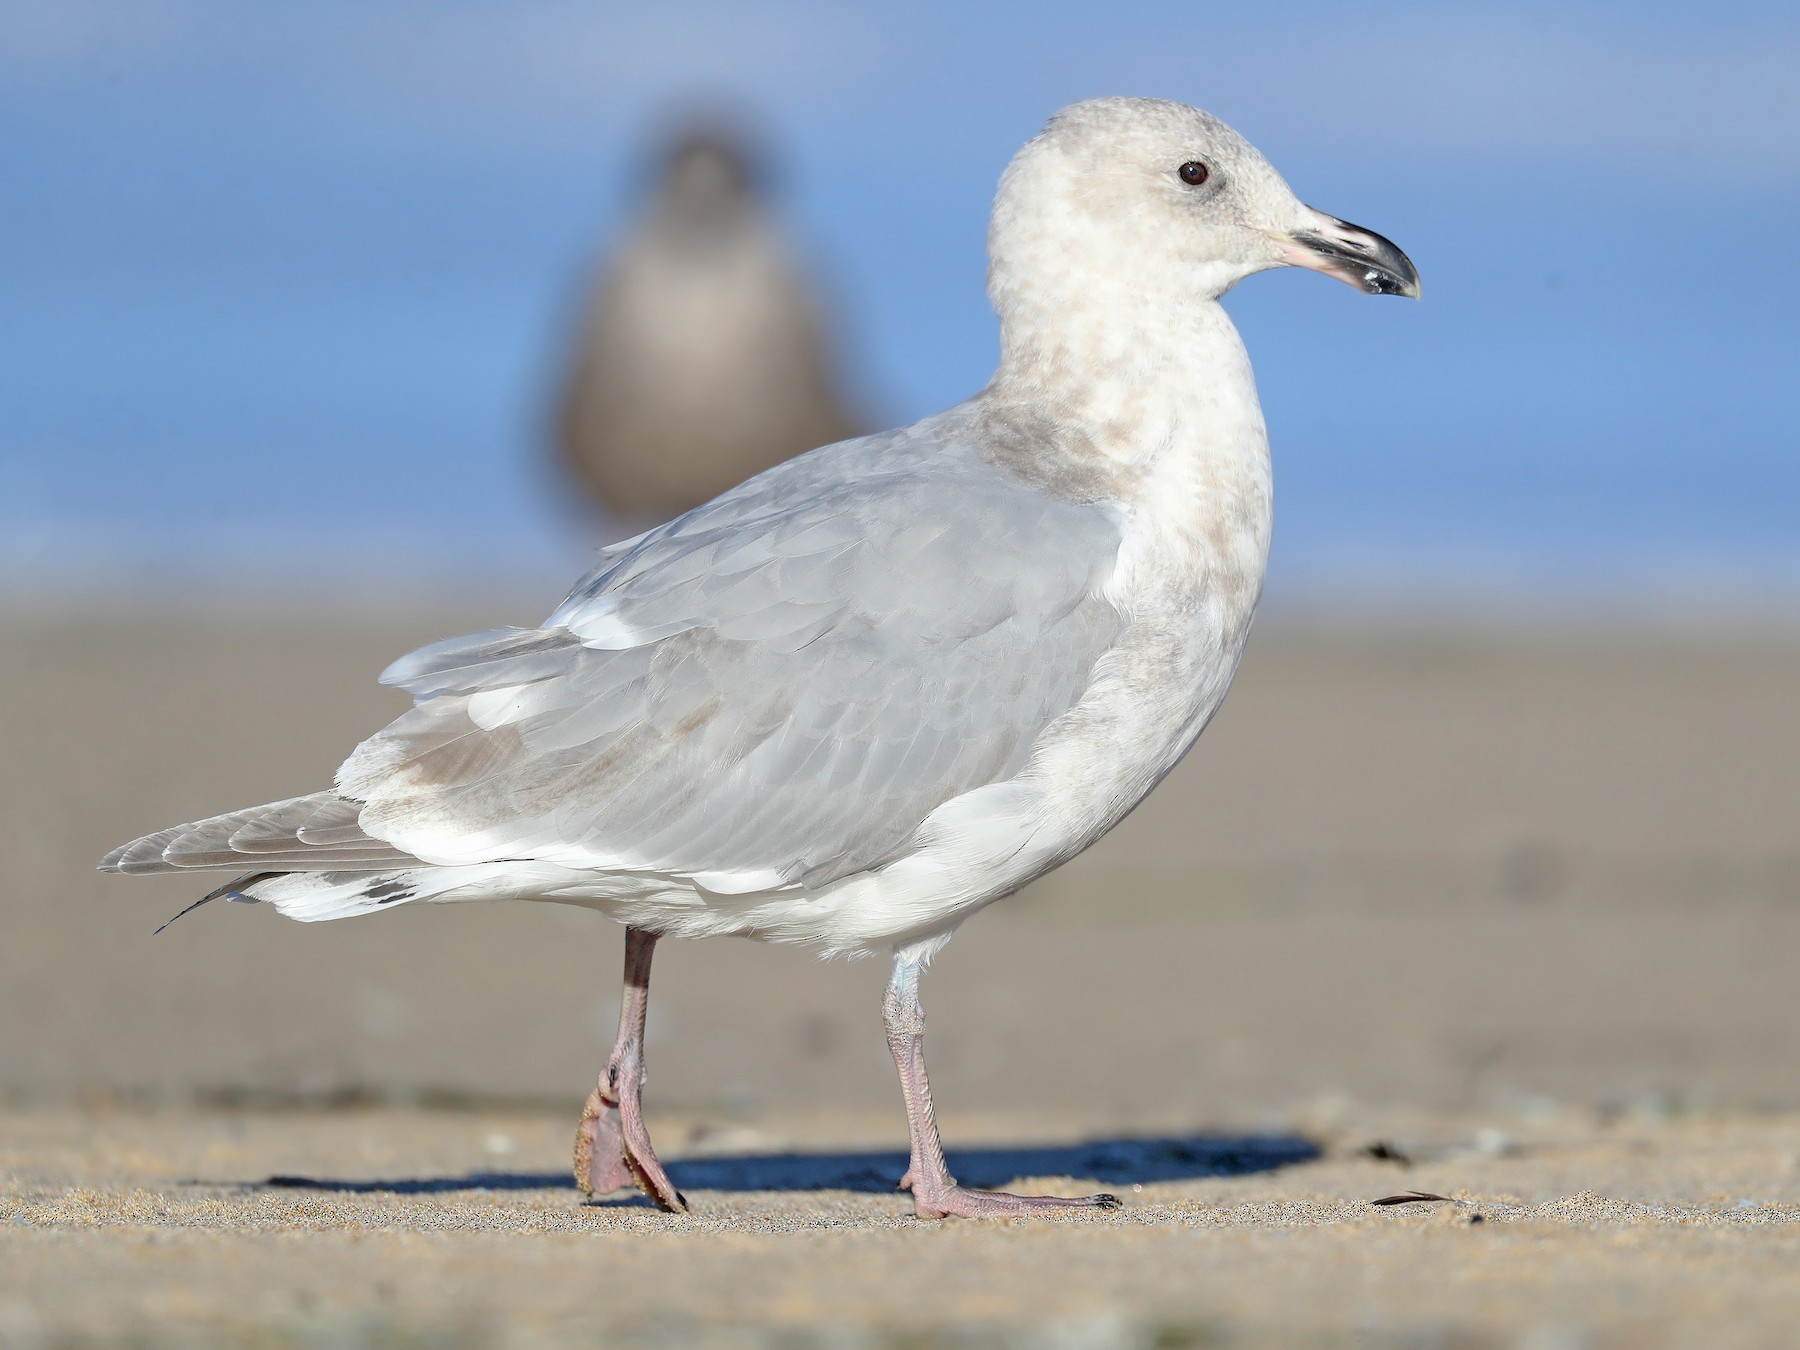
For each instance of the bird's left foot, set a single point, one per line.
(613, 1154)
(962, 1202)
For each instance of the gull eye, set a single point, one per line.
(1194, 173)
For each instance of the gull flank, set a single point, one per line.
(864, 694)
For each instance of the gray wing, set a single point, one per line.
(316, 833)
(777, 688)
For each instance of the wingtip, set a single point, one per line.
(116, 861)
(139, 856)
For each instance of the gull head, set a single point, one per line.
(1131, 198)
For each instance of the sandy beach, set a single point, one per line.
(1507, 918)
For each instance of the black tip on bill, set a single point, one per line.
(1368, 261)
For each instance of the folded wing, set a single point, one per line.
(775, 689)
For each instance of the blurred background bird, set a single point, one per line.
(705, 356)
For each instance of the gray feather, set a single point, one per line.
(270, 838)
(784, 682)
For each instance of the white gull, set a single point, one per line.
(882, 685)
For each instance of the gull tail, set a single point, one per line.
(313, 897)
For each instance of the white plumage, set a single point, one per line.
(855, 699)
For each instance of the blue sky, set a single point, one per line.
(283, 286)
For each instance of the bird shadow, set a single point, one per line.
(1112, 1161)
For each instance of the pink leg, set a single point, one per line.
(612, 1145)
(935, 1192)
